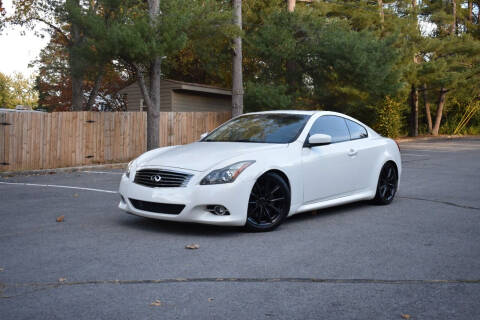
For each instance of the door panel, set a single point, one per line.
(365, 161)
(366, 154)
(327, 172)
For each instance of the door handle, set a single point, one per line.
(352, 152)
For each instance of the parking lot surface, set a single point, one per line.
(418, 258)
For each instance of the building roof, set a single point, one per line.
(190, 86)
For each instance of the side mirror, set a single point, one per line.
(203, 135)
(319, 139)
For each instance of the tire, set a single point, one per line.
(269, 203)
(387, 184)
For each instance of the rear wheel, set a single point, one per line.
(269, 203)
(387, 184)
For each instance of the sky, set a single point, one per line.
(17, 51)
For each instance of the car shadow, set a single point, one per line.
(182, 228)
(176, 228)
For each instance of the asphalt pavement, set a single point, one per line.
(418, 258)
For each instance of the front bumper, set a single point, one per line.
(233, 196)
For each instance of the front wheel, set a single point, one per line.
(269, 203)
(387, 184)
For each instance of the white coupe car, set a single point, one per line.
(259, 168)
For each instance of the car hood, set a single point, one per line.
(200, 156)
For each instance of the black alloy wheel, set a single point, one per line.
(387, 184)
(269, 203)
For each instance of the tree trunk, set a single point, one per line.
(77, 92)
(237, 77)
(470, 11)
(414, 111)
(76, 70)
(454, 13)
(153, 111)
(427, 109)
(94, 92)
(381, 13)
(438, 117)
(290, 65)
(291, 5)
(151, 95)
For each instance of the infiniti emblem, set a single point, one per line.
(156, 178)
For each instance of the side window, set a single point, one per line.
(356, 130)
(333, 126)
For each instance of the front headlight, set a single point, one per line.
(129, 168)
(227, 174)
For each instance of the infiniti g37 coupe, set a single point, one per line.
(259, 168)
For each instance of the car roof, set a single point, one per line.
(320, 113)
(305, 112)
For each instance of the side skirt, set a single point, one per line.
(366, 195)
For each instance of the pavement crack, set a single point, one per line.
(32, 287)
(194, 280)
(442, 202)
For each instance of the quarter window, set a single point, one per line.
(356, 131)
(333, 126)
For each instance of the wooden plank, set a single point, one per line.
(3, 141)
(100, 137)
(144, 130)
(64, 138)
(10, 141)
(72, 137)
(18, 140)
(108, 137)
(26, 124)
(126, 136)
(94, 128)
(3, 134)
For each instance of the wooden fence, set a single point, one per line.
(30, 141)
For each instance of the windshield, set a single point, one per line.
(261, 128)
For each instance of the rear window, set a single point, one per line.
(356, 131)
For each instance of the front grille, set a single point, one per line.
(165, 208)
(168, 179)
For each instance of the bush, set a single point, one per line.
(388, 118)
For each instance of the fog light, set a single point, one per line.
(218, 210)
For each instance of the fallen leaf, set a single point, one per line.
(60, 219)
(75, 195)
(62, 280)
(210, 299)
(405, 316)
(192, 246)
(156, 303)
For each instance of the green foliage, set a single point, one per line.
(260, 97)
(389, 120)
(17, 90)
(335, 54)
(335, 66)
